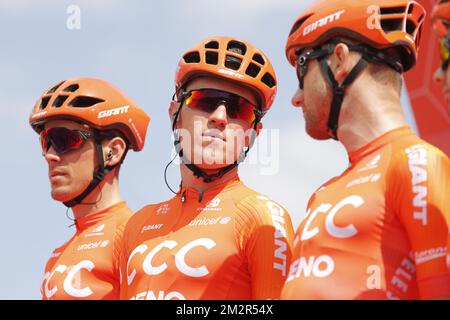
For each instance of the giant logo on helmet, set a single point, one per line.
(322, 22)
(113, 112)
(231, 73)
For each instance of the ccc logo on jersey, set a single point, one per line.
(72, 276)
(149, 267)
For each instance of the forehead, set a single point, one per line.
(221, 84)
(72, 125)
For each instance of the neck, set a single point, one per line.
(368, 114)
(190, 181)
(102, 197)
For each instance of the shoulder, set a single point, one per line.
(412, 155)
(259, 208)
(122, 216)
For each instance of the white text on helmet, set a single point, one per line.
(113, 112)
(231, 73)
(322, 22)
(39, 114)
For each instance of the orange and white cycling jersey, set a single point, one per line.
(87, 266)
(380, 230)
(227, 243)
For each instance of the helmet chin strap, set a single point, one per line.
(338, 91)
(99, 174)
(368, 55)
(196, 170)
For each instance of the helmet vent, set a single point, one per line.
(410, 27)
(298, 24)
(71, 88)
(59, 101)
(232, 62)
(268, 80)
(84, 102)
(211, 57)
(252, 70)
(390, 20)
(53, 89)
(237, 47)
(192, 57)
(258, 58)
(394, 10)
(390, 25)
(212, 45)
(44, 102)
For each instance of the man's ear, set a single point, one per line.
(342, 62)
(259, 127)
(113, 151)
(173, 108)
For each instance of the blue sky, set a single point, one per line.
(136, 46)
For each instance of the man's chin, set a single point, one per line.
(58, 194)
(210, 165)
(213, 165)
(317, 134)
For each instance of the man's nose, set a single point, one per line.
(219, 116)
(297, 99)
(51, 156)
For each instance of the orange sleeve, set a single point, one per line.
(267, 238)
(118, 247)
(123, 257)
(48, 266)
(418, 189)
(127, 241)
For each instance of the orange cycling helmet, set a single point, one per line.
(94, 102)
(374, 25)
(232, 59)
(99, 105)
(399, 26)
(441, 17)
(235, 60)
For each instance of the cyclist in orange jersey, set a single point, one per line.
(216, 238)
(380, 229)
(441, 24)
(86, 127)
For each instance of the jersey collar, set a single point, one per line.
(185, 193)
(379, 142)
(93, 218)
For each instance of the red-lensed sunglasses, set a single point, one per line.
(208, 100)
(63, 140)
